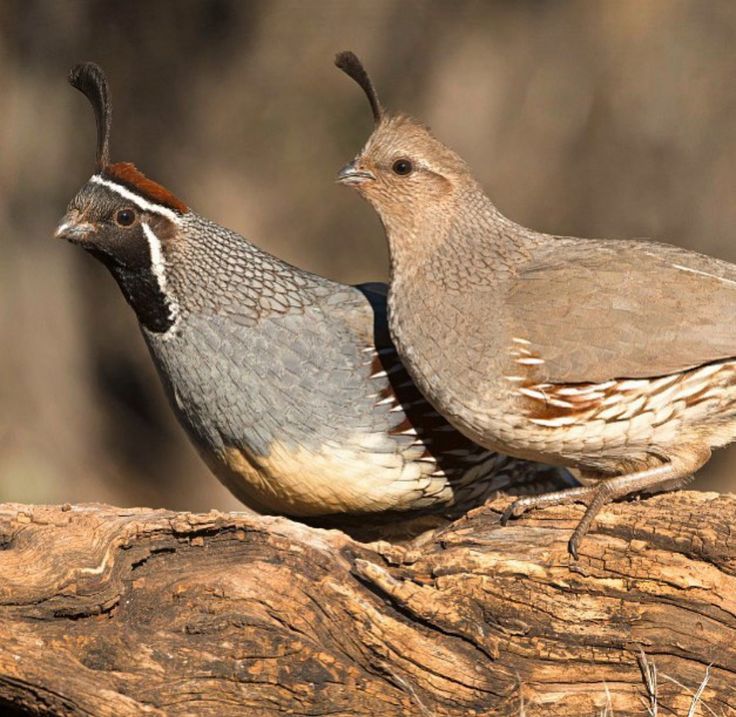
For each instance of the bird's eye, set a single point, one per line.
(125, 217)
(402, 167)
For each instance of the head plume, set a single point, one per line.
(90, 79)
(349, 63)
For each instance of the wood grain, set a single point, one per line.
(110, 611)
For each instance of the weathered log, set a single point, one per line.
(110, 611)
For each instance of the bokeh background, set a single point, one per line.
(612, 118)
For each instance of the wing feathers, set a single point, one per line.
(595, 312)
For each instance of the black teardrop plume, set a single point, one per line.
(90, 79)
(349, 63)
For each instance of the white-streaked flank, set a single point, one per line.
(139, 201)
(703, 273)
(554, 422)
(532, 393)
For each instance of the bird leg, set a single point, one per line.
(579, 494)
(665, 477)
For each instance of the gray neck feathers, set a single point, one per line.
(212, 270)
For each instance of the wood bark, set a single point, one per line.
(111, 611)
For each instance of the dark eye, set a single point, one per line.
(125, 217)
(402, 167)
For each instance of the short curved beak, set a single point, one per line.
(350, 174)
(73, 230)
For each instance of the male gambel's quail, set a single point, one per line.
(617, 357)
(287, 383)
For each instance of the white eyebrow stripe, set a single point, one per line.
(141, 203)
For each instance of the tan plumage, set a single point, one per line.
(616, 357)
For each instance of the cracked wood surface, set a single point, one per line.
(110, 611)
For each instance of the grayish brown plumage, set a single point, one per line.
(616, 357)
(286, 382)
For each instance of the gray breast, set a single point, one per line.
(311, 412)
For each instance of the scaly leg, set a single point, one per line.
(664, 477)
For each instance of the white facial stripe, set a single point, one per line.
(158, 266)
(141, 203)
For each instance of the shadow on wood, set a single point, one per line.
(110, 611)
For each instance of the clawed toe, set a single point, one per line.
(517, 508)
(585, 495)
(572, 545)
(508, 513)
(563, 497)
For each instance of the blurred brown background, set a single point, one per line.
(611, 118)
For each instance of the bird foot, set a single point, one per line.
(579, 494)
(652, 480)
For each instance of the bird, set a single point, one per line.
(287, 383)
(616, 358)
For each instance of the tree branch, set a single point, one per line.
(109, 611)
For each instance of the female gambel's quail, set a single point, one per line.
(616, 357)
(292, 395)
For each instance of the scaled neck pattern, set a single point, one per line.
(213, 271)
(194, 266)
(458, 277)
(474, 246)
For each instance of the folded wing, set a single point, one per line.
(595, 311)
